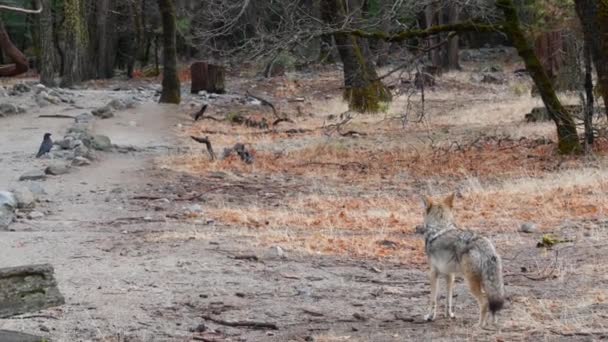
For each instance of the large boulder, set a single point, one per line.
(7, 109)
(101, 143)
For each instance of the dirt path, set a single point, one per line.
(137, 270)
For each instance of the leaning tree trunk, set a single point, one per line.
(46, 65)
(20, 65)
(593, 15)
(75, 43)
(171, 85)
(589, 98)
(363, 90)
(568, 141)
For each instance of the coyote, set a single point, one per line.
(452, 251)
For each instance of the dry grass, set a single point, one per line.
(362, 195)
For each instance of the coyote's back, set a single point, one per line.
(452, 251)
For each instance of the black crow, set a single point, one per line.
(46, 145)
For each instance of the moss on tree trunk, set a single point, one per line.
(171, 85)
(363, 90)
(568, 141)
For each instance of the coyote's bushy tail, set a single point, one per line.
(491, 276)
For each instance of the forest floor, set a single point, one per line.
(317, 235)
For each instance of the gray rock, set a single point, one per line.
(44, 99)
(57, 170)
(36, 189)
(104, 112)
(101, 143)
(117, 104)
(7, 109)
(493, 78)
(24, 198)
(61, 154)
(528, 227)
(81, 161)
(21, 88)
(38, 88)
(33, 175)
(34, 215)
(69, 143)
(83, 151)
(85, 118)
(7, 209)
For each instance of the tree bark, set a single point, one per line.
(363, 90)
(452, 50)
(103, 65)
(171, 84)
(75, 43)
(46, 65)
(207, 77)
(589, 99)
(432, 13)
(20, 65)
(593, 15)
(568, 141)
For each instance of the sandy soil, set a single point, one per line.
(134, 269)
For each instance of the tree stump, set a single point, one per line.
(26, 289)
(207, 77)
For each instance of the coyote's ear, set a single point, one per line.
(427, 202)
(449, 201)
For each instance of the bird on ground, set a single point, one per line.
(45, 146)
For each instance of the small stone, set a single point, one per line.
(33, 175)
(104, 112)
(101, 143)
(56, 170)
(24, 198)
(528, 227)
(34, 215)
(116, 104)
(85, 118)
(36, 189)
(80, 161)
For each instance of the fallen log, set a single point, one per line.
(26, 289)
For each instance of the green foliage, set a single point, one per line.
(371, 99)
(183, 24)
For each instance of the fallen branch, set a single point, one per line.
(198, 115)
(248, 324)
(266, 103)
(207, 143)
(57, 116)
(278, 121)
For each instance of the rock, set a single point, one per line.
(61, 154)
(38, 88)
(528, 227)
(101, 143)
(34, 215)
(8, 203)
(492, 68)
(24, 198)
(85, 118)
(7, 109)
(21, 88)
(492, 78)
(278, 251)
(85, 152)
(33, 175)
(44, 99)
(57, 169)
(104, 112)
(36, 189)
(116, 104)
(80, 161)
(69, 143)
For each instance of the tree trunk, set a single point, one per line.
(593, 15)
(171, 84)
(103, 66)
(568, 141)
(207, 77)
(431, 15)
(452, 50)
(589, 99)
(20, 65)
(75, 43)
(47, 49)
(363, 90)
